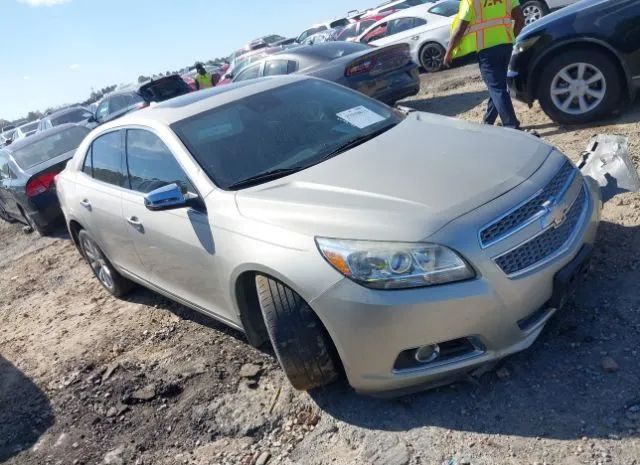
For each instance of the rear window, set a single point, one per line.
(448, 8)
(50, 147)
(164, 89)
(339, 23)
(73, 116)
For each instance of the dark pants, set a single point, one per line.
(494, 62)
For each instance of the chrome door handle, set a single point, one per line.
(85, 203)
(134, 221)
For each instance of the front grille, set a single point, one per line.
(521, 215)
(544, 245)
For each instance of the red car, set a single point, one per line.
(353, 30)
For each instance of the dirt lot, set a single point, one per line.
(88, 379)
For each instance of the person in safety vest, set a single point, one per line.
(489, 28)
(203, 80)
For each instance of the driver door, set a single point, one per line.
(176, 247)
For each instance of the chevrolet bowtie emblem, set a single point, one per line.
(555, 214)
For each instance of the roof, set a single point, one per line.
(21, 143)
(179, 108)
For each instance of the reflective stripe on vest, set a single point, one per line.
(475, 38)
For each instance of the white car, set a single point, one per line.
(533, 10)
(25, 130)
(425, 28)
(316, 28)
(396, 5)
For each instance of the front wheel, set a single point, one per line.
(108, 276)
(297, 335)
(533, 10)
(432, 57)
(579, 86)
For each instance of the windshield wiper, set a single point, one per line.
(264, 177)
(351, 143)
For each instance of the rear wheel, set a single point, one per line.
(432, 57)
(5, 216)
(298, 337)
(579, 86)
(533, 10)
(34, 224)
(108, 276)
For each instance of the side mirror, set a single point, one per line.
(168, 197)
(92, 119)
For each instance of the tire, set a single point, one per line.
(297, 335)
(5, 216)
(599, 97)
(102, 269)
(533, 10)
(432, 57)
(34, 224)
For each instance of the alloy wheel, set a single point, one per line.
(98, 263)
(532, 13)
(578, 88)
(432, 57)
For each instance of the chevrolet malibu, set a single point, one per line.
(301, 212)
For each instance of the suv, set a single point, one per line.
(310, 215)
(580, 62)
(123, 101)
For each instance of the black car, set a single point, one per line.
(76, 115)
(27, 171)
(384, 73)
(580, 62)
(123, 101)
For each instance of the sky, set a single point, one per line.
(56, 51)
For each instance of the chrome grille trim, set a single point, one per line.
(525, 213)
(514, 262)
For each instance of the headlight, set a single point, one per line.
(394, 265)
(526, 44)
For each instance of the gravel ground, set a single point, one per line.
(87, 379)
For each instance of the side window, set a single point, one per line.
(377, 33)
(278, 67)
(106, 156)
(251, 72)
(400, 25)
(103, 110)
(151, 164)
(87, 167)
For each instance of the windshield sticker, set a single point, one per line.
(360, 117)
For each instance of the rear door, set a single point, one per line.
(176, 247)
(99, 193)
(400, 31)
(7, 179)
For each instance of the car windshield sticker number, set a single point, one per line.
(360, 117)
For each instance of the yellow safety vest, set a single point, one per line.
(204, 81)
(492, 25)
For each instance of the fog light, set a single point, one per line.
(427, 354)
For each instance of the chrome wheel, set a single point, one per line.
(578, 88)
(98, 263)
(532, 12)
(432, 57)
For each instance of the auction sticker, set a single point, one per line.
(360, 117)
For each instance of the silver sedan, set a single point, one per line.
(403, 248)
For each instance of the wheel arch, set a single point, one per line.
(74, 228)
(566, 45)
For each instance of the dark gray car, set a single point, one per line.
(384, 73)
(75, 115)
(27, 170)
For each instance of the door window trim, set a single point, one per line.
(90, 151)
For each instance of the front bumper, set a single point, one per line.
(371, 328)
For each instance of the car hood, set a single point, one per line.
(403, 185)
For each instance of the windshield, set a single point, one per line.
(290, 127)
(448, 8)
(50, 147)
(27, 128)
(73, 116)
